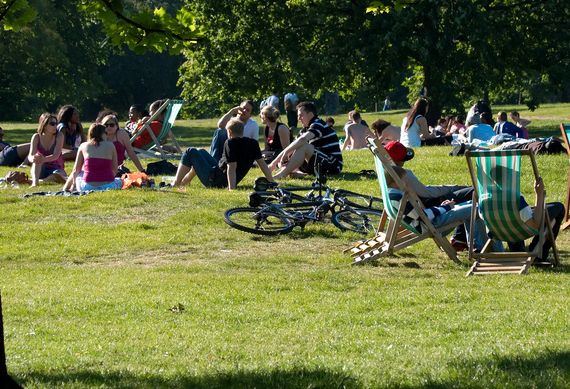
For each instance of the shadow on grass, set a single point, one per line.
(545, 370)
(301, 378)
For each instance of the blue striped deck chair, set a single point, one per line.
(397, 234)
(565, 130)
(496, 178)
(155, 149)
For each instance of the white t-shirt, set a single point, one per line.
(251, 130)
(411, 137)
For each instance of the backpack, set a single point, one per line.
(161, 167)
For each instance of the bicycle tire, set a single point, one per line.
(363, 221)
(258, 221)
(360, 201)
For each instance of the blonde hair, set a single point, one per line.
(271, 113)
(235, 126)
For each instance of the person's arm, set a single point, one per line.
(57, 149)
(32, 157)
(114, 162)
(538, 211)
(125, 140)
(265, 169)
(284, 135)
(231, 173)
(226, 118)
(424, 128)
(77, 167)
(289, 150)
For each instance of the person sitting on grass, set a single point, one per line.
(520, 123)
(96, 164)
(45, 151)
(12, 156)
(356, 134)
(386, 130)
(317, 143)
(120, 138)
(70, 126)
(505, 127)
(237, 158)
(277, 135)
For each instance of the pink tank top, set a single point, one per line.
(58, 163)
(120, 152)
(98, 170)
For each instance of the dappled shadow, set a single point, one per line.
(545, 370)
(296, 378)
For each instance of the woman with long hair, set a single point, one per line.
(121, 140)
(45, 151)
(96, 163)
(414, 126)
(70, 126)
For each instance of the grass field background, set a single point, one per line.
(148, 288)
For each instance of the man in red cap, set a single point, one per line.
(431, 195)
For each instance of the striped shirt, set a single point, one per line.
(325, 140)
(411, 216)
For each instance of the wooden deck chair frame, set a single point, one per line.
(155, 149)
(500, 211)
(565, 130)
(397, 235)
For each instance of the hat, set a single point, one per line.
(398, 152)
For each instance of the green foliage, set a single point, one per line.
(16, 14)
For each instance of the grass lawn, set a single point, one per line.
(146, 288)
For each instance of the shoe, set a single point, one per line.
(459, 245)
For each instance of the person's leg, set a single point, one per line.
(23, 150)
(184, 167)
(195, 162)
(217, 145)
(36, 172)
(300, 155)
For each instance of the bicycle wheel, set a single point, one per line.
(363, 221)
(258, 221)
(358, 200)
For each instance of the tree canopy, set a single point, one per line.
(455, 50)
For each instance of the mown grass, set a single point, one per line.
(146, 288)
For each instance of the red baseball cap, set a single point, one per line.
(398, 152)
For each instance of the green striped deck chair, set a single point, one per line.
(565, 130)
(156, 149)
(496, 178)
(397, 234)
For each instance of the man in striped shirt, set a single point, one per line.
(316, 146)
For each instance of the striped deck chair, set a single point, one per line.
(565, 130)
(496, 180)
(171, 108)
(397, 234)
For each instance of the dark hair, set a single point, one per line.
(95, 133)
(356, 116)
(380, 125)
(139, 108)
(104, 113)
(43, 121)
(308, 106)
(64, 116)
(250, 102)
(420, 108)
(487, 118)
(502, 116)
(155, 105)
(330, 120)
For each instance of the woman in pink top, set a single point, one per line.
(96, 164)
(45, 151)
(120, 139)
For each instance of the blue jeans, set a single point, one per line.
(205, 166)
(218, 141)
(462, 212)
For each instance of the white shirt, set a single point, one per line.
(251, 129)
(411, 137)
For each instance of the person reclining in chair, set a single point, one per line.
(144, 139)
(430, 195)
(532, 219)
(449, 211)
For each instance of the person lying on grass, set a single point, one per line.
(10, 155)
(237, 158)
(96, 163)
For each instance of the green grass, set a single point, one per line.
(147, 288)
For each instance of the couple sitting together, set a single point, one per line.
(445, 205)
(235, 147)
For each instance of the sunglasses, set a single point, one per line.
(52, 123)
(110, 124)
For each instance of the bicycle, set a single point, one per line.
(278, 211)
